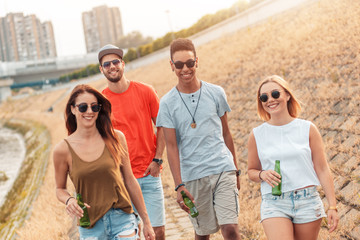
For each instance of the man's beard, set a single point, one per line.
(113, 79)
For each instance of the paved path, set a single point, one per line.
(178, 225)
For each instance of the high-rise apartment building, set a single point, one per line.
(49, 39)
(25, 38)
(102, 26)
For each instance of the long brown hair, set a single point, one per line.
(103, 121)
(293, 105)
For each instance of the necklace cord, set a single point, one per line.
(197, 104)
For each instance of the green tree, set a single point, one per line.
(158, 44)
(167, 39)
(139, 46)
(145, 49)
(130, 55)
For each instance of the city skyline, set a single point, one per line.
(155, 18)
(25, 37)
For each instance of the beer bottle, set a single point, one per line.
(276, 191)
(193, 211)
(84, 220)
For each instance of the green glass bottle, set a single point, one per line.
(276, 191)
(193, 211)
(84, 220)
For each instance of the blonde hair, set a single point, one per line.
(293, 105)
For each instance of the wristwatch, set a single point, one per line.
(158, 160)
(238, 172)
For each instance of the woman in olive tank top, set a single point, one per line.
(95, 157)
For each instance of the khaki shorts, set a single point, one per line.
(216, 199)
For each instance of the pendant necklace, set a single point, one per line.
(193, 124)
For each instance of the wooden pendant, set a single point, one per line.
(193, 125)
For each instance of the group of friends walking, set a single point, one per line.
(113, 156)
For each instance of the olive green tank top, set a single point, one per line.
(100, 183)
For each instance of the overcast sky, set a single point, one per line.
(151, 17)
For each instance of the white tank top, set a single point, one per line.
(288, 143)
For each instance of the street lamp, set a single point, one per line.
(170, 25)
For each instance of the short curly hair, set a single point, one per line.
(181, 44)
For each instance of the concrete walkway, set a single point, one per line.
(178, 225)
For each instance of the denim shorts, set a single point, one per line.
(152, 190)
(114, 224)
(300, 206)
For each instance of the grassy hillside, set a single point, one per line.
(315, 48)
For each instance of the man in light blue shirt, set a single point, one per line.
(199, 145)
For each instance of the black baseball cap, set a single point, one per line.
(109, 49)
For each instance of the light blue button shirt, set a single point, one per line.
(202, 149)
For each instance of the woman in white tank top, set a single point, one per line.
(298, 145)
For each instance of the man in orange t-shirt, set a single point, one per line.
(134, 110)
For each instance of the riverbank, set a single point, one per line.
(29, 175)
(47, 220)
(12, 154)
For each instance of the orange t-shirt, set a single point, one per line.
(132, 113)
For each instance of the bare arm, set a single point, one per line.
(174, 163)
(134, 190)
(61, 157)
(154, 168)
(229, 143)
(160, 141)
(173, 154)
(323, 172)
(254, 166)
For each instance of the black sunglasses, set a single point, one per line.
(274, 94)
(180, 65)
(115, 62)
(95, 107)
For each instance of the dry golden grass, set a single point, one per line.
(316, 49)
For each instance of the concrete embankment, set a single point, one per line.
(12, 153)
(30, 176)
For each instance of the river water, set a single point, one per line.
(12, 153)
